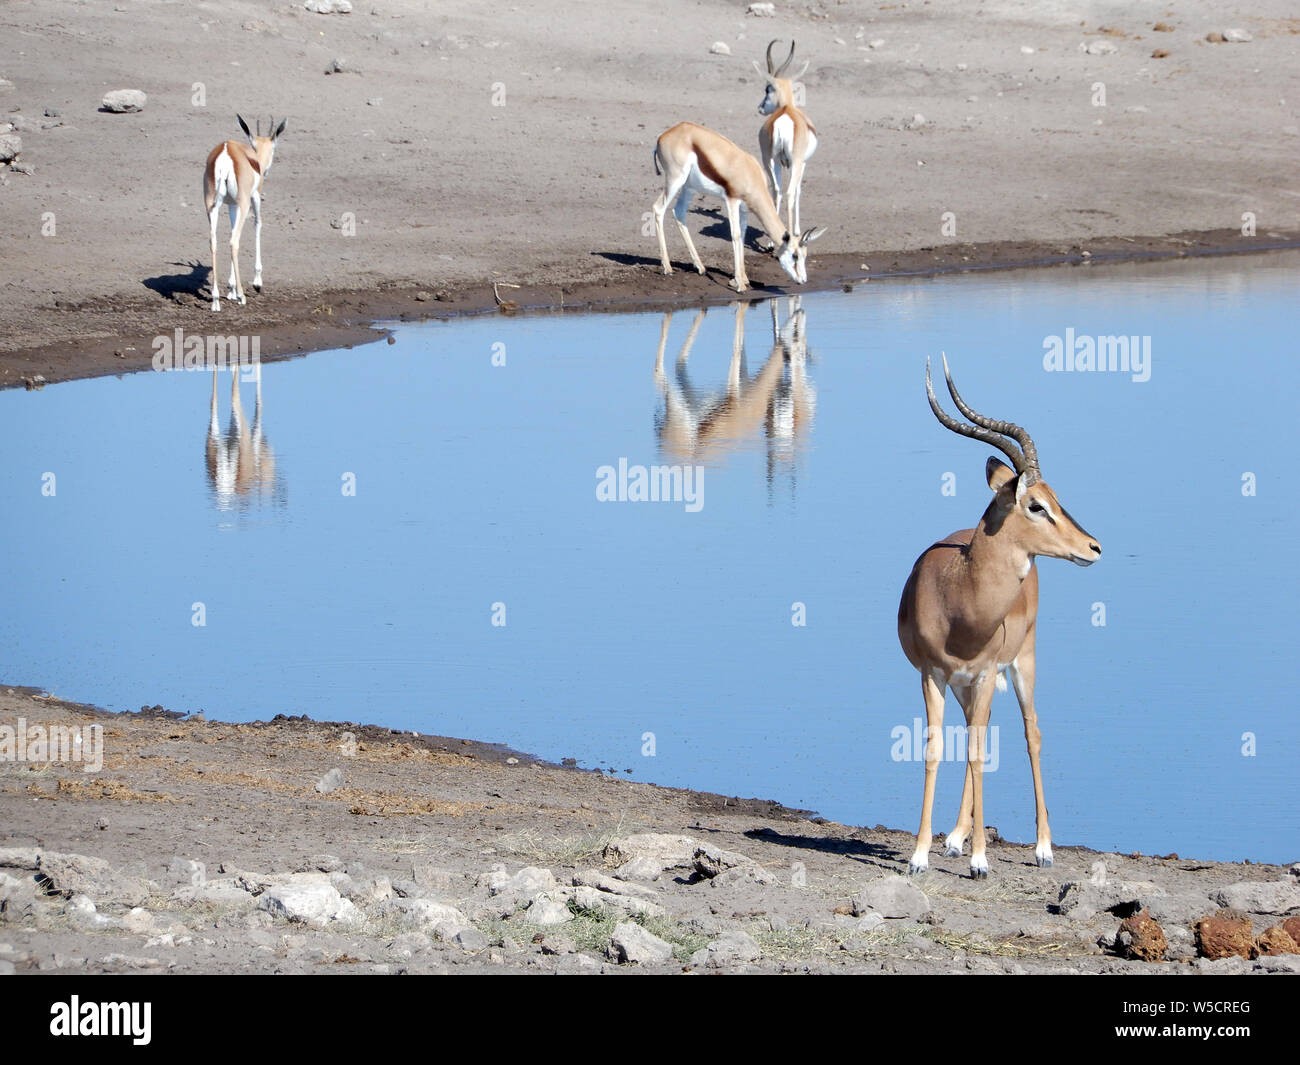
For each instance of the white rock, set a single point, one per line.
(891, 896)
(631, 944)
(314, 904)
(1237, 36)
(607, 904)
(719, 48)
(425, 915)
(1100, 46)
(730, 948)
(124, 101)
(530, 880)
(330, 781)
(329, 7)
(1026, 50)
(879, 42)
(762, 10)
(671, 851)
(547, 912)
(918, 120)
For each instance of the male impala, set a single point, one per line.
(694, 160)
(787, 139)
(968, 614)
(233, 175)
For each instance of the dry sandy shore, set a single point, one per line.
(427, 856)
(105, 246)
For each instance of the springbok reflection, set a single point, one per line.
(241, 464)
(696, 425)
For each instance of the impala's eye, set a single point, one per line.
(1036, 508)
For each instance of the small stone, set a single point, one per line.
(719, 48)
(547, 912)
(1099, 47)
(527, 882)
(918, 120)
(1237, 36)
(470, 939)
(1224, 935)
(10, 146)
(1026, 50)
(315, 904)
(1163, 27)
(330, 781)
(22, 168)
(879, 42)
(1141, 939)
(891, 896)
(124, 101)
(762, 10)
(329, 7)
(1214, 37)
(1160, 53)
(710, 861)
(630, 944)
(730, 948)
(1275, 940)
(375, 101)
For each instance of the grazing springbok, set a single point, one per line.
(787, 139)
(233, 175)
(968, 615)
(695, 160)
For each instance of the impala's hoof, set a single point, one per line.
(1043, 855)
(918, 865)
(952, 850)
(979, 868)
(216, 305)
(667, 270)
(1044, 862)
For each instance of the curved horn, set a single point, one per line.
(801, 72)
(780, 71)
(1017, 433)
(771, 67)
(983, 433)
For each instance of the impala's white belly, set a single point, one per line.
(697, 182)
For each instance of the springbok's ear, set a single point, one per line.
(812, 234)
(279, 129)
(998, 474)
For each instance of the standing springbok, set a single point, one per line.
(692, 160)
(968, 614)
(233, 175)
(787, 139)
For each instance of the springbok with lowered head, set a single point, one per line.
(695, 160)
(787, 139)
(233, 175)
(968, 614)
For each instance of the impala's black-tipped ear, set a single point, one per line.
(997, 473)
(244, 126)
(279, 129)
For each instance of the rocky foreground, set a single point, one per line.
(295, 847)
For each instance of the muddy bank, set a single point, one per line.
(297, 846)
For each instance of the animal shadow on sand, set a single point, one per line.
(878, 854)
(181, 288)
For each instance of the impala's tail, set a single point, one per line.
(656, 158)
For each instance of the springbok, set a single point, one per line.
(692, 160)
(233, 175)
(241, 465)
(968, 615)
(787, 139)
(696, 425)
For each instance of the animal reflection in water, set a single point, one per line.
(241, 464)
(699, 426)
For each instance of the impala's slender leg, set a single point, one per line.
(735, 370)
(932, 689)
(1021, 673)
(213, 215)
(256, 200)
(680, 210)
(232, 282)
(236, 228)
(795, 190)
(740, 280)
(965, 812)
(977, 725)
